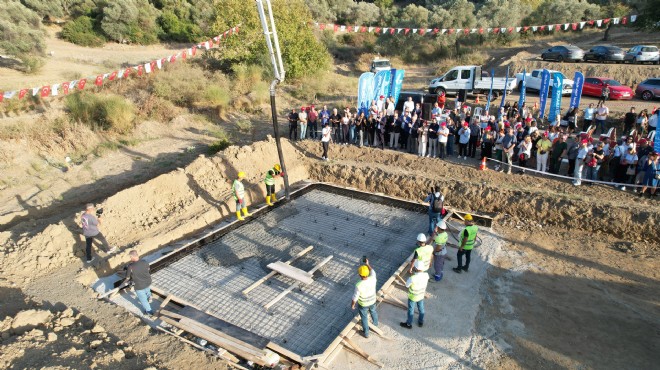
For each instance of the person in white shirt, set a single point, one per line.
(409, 105)
(601, 117)
(588, 118)
(653, 120)
(381, 104)
(443, 133)
(325, 140)
(579, 162)
(302, 123)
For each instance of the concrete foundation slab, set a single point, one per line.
(308, 319)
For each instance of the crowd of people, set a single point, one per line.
(512, 136)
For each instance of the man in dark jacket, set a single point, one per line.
(137, 271)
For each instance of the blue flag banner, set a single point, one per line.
(543, 92)
(555, 103)
(390, 87)
(381, 83)
(576, 93)
(523, 89)
(398, 83)
(506, 83)
(490, 92)
(365, 91)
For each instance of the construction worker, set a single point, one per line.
(416, 285)
(423, 255)
(466, 243)
(270, 183)
(439, 241)
(365, 296)
(238, 191)
(137, 272)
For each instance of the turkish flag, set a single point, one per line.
(173, 59)
(22, 93)
(591, 23)
(322, 26)
(363, 29)
(82, 83)
(194, 51)
(436, 30)
(542, 28)
(45, 91)
(112, 76)
(451, 30)
(624, 20)
(128, 72)
(336, 27)
(510, 29)
(481, 31)
(99, 80)
(65, 88)
(184, 55)
(140, 69)
(2, 96)
(392, 30)
(466, 31)
(153, 65)
(574, 26)
(421, 31)
(377, 30)
(606, 20)
(405, 32)
(525, 28)
(496, 30)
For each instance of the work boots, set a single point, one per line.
(268, 200)
(273, 198)
(245, 212)
(238, 215)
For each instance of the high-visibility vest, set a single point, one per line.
(270, 179)
(472, 236)
(424, 254)
(367, 289)
(237, 190)
(417, 288)
(441, 239)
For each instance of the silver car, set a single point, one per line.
(643, 54)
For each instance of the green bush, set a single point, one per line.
(101, 112)
(217, 96)
(80, 31)
(131, 20)
(21, 34)
(183, 84)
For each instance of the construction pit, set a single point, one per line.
(280, 283)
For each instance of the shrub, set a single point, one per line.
(244, 126)
(217, 96)
(80, 31)
(183, 84)
(21, 34)
(102, 112)
(131, 20)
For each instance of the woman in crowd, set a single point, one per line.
(412, 137)
(524, 152)
(498, 146)
(395, 130)
(643, 122)
(543, 147)
(360, 126)
(423, 138)
(463, 140)
(487, 143)
(571, 119)
(627, 166)
(451, 137)
(651, 174)
(594, 161)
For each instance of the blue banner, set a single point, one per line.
(398, 83)
(576, 93)
(523, 89)
(365, 91)
(555, 104)
(506, 84)
(490, 92)
(543, 92)
(390, 87)
(381, 83)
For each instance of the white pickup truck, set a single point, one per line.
(471, 79)
(533, 81)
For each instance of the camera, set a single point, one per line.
(99, 212)
(364, 259)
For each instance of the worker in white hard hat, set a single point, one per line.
(365, 296)
(465, 244)
(439, 242)
(423, 255)
(238, 191)
(416, 285)
(436, 208)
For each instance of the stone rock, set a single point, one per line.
(95, 343)
(52, 337)
(68, 312)
(26, 320)
(118, 355)
(67, 321)
(98, 329)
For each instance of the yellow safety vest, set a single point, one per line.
(424, 254)
(270, 179)
(367, 289)
(237, 190)
(472, 236)
(417, 288)
(441, 239)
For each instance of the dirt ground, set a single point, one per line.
(575, 285)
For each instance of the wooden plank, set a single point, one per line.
(285, 352)
(216, 340)
(220, 353)
(169, 314)
(229, 340)
(225, 327)
(291, 272)
(295, 285)
(358, 328)
(162, 305)
(395, 303)
(352, 345)
(273, 273)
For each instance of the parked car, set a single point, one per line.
(649, 89)
(533, 81)
(378, 65)
(605, 53)
(643, 54)
(563, 53)
(594, 85)
(471, 79)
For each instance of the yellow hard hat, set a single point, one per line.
(277, 167)
(363, 271)
(241, 175)
(468, 217)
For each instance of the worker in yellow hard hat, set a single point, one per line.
(365, 296)
(238, 191)
(465, 244)
(270, 183)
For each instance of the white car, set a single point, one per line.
(533, 81)
(642, 54)
(471, 79)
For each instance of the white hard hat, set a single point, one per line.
(437, 194)
(442, 225)
(421, 237)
